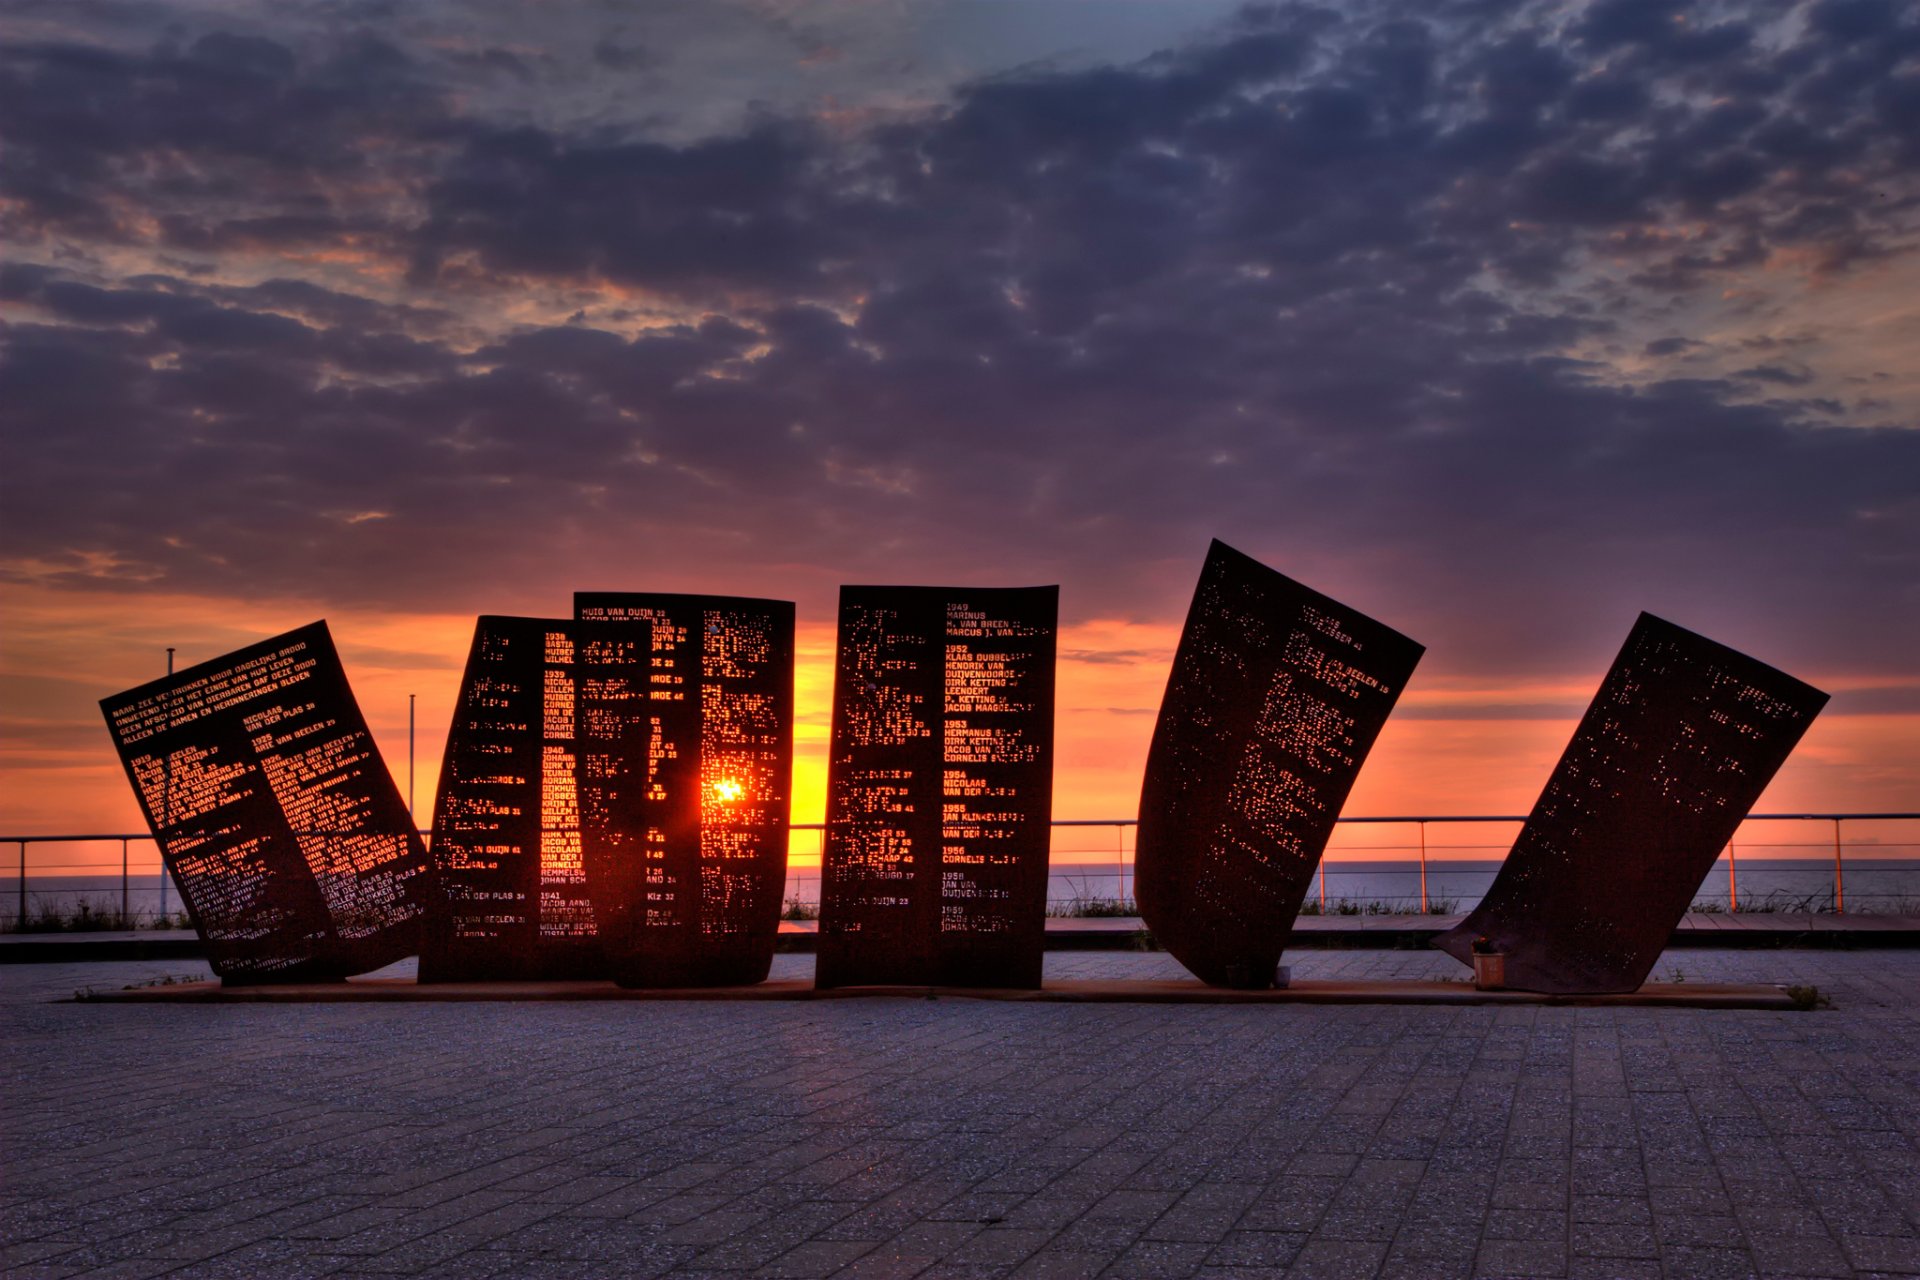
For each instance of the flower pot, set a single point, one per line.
(1489, 971)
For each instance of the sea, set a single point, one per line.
(1106, 888)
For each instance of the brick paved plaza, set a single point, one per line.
(959, 1138)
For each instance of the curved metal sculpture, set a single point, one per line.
(1677, 746)
(939, 788)
(512, 901)
(1276, 696)
(685, 707)
(293, 850)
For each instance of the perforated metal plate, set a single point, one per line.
(1276, 696)
(1680, 741)
(289, 841)
(939, 787)
(506, 825)
(686, 758)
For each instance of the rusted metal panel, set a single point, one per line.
(939, 787)
(1276, 696)
(513, 898)
(293, 850)
(685, 708)
(1677, 746)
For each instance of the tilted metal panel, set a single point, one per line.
(939, 787)
(1276, 696)
(512, 901)
(686, 762)
(293, 850)
(1677, 746)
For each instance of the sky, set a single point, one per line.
(1499, 322)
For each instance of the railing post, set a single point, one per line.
(1423, 866)
(125, 902)
(164, 877)
(1323, 882)
(1733, 879)
(1839, 876)
(23, 886)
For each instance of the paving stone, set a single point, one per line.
(1613, 1240)
(1062, 1264)
(1697, 1229)
(1525, 1224)
(816, 1258)
(1777, 1255)
(1291, 1204)
(1337, 1260)
(1899, 1254)
(1402, 1265)
(903, 1138)
(1158, 1260)
(1612, 1269)
(1001, 1244)
(1709, 1263)
(1525, 1259)
(1276, 1249)
(883, 1263)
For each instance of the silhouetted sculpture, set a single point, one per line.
(1680, 741)
(293, 851)
(685, 726)
(1276, 696)
(512, 901)
(939, 788)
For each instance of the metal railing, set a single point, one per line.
(1428, 855)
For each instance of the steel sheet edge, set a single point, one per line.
(1678, 744)
(292, 848)
(939, 787)
(685, 708)
(1276, 695)
(512, 901)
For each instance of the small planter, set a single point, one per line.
(1489, 971)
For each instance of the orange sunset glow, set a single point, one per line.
(1456, 745)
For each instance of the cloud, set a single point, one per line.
(222, 140)
(1777, 374)
(1365, 293)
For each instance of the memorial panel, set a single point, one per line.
(1677, 746)
(1276, 696)
(293, 850)
(512, 901)
(939, 787)
(685, 711)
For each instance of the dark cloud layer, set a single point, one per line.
(1336, 286)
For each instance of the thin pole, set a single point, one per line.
(1839, 879)
(1733, 879)
(1423, 868)
(410, 698)
(166, 801)
(1323, 884)
(124, 903)
(23, 886)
